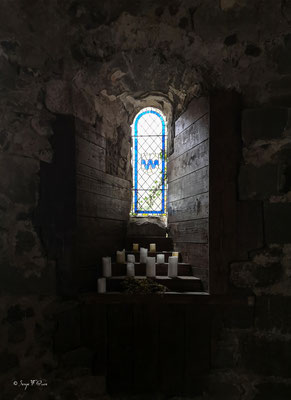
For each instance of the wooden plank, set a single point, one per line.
(191, 137)
(91, 227)
(162, 243)
(194, 159)
(93, 205)
(197, 345)
(94, 334)
(225, 156)
(120, 348)
(94, 173)
(190, 185)
(203, 274)
(89, 133)
(91, 252)
(96, 238)
(195, 254)
(194, 207)
(90, 154)
(100, 187)
(195, 231)
(177, 284)
(195, 110)
(167, 298)
(146, 348)
(172, 348)
(161, 269)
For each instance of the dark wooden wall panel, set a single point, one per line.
(189, 185)
(90, 154)
(191, 137)
(90, 133)
(225, 145)
(188, 198)
(194, 207)
(95, 205)
(149, 347)
(102, 185)
(190, 161)
(103, 205)
(194, 231)
(195, 110)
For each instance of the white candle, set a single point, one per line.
(131, 258)
(106, 266)
(135, 247)
(160, 259)
(101, 285)
(130, 269)
(152, 248)
(151, 266)
(173, 266)
(175, 254)
(120, 257)
(143, 255)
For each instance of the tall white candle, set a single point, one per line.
(135, 246)
(143, 255)
(106, 266)
(131, 258)
(130, 269)
(173, 266)
(151, 266)
(120, 256)
(160, 259)
(101, 285)
(152, 248)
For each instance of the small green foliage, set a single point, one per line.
(142, 286)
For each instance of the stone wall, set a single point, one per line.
(97, 63)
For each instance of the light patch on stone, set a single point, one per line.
(264, 151)
(111, 97)
(117, 75)
(284, 198)
(265, 259)
(228, 4)
(65, 98)
(26, 256)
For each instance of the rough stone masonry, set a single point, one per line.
(97, 62)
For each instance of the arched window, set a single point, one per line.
(149, 143)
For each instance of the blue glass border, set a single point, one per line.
(136, 162)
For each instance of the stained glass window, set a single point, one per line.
(149, 143)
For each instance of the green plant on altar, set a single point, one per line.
(142, 286)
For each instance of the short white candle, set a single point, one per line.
(173, 266)
(151, 266)
(152, 248)
(160, 259)
(130, 269)
(135, 247)
(101, 285)
(143, 255)
(175, 254)
(131, 258)
(106, 266)
(120, 257)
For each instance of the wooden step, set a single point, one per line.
(167, 254)
(178, 284)
(162, 243)
(161, 269)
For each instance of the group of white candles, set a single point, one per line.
(130, 269)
